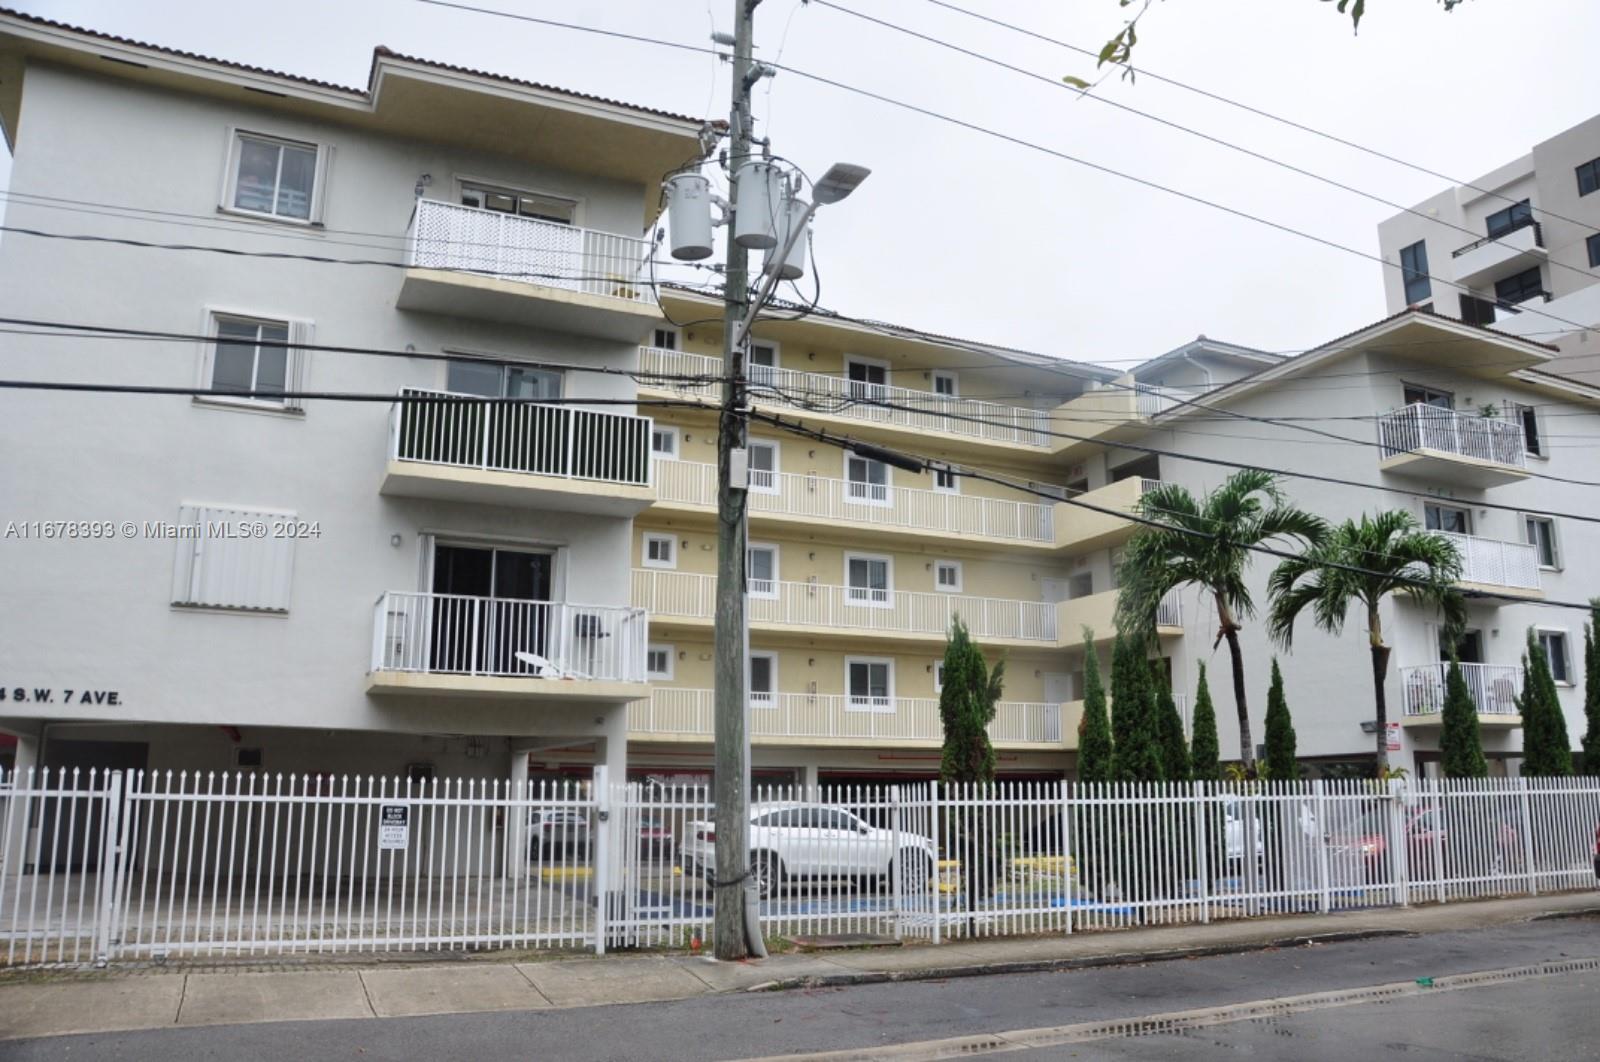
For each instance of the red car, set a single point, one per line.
(1426, 838)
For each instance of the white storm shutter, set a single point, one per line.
(231, 558)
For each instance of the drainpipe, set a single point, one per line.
(1201, 366)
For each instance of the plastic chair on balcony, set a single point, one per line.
(541, 668)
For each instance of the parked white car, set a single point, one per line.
(791, 840)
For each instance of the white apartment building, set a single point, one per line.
(1529, 257)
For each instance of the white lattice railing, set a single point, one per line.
(1494, 687)
(1424, 427)
(456, 634)
(877, 403)
(691, 595)
(448, 236)
(875, 504)
(505, 437)
(672, 710)
(1169, 611)
(1494, 563)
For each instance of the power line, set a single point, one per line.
(425, 398)
(1259, 112)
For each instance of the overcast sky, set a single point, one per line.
(960, 233)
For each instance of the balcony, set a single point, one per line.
(672, 713)
(467, 262)
(1494, 689)
(1480, 263)
(1582, 306)
(493, 648)
(1446, 446)
(817, 610)
(851, 400)
(1085, 529)
(825, 501)
(1098, 612)
(460, 448)
(1502, 569)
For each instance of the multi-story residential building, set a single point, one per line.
(1529, 258)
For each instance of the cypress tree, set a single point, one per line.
(1204, 756)
(1094, 733)
(966, 707)
(1137, 741)
(1460, 746)
(1280, 762)
(1546, 749)
(1591, 692)
(1175, 766)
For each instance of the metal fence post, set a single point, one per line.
(936, 886)
(600, 854)
(1437, 785)
(1398, 862)
(1319, 792)
(1527, 834)
(1202, 848)
(898, 863)
(111, 847)
(1068, 863)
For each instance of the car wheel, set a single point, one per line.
(915, 870)
(768, 871)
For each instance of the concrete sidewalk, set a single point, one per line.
(57, 1003)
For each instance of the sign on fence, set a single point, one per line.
(393, 827)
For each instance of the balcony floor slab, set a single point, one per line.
(1441, 466)
(456, 294)
(1487, 722)
(520, 490)
(503, 688)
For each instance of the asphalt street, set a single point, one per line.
(1545, 1018)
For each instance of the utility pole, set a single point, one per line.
(730, 744)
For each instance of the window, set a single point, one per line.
(1116, 567)
(523, 204)
(660, 551)
(866, 480)
(1415, 394)
(664, 442)
(1080, 585)
(947, 576)
(868, 581)
(867, 379)
(1554, 644)
(1414, 272)
(761, 570)
(938, 676)
(272, 178)
(1513, 217)
(251, 359)
(1447, 518)
(658, 662)
(1542, 537)
(763, 466)
(945, 480)
(870, 683)
(763, 680)
(221, 564)
(1528, 417)
(1593, 244)
(665, 339)
(1476, 311)
(945, 383)
(1519, 288)
(1589, 177)
(763, 364)
(494, 379)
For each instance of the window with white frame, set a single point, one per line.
(945, 480)
(498, 379)
(664, 442)
(1452, 518)
(763, 680)
(866, 480)
(251, 359)
(763, 465)
(761, 570)
(658, 661)
(870, 684)
(660, 551)
(665, 339)
(762, 365)
(532, 205)
(868, 580)
(1554, 644)
(273, 178)
(947, 576)
(945, 383)
(1541, 532)
(938, 676)
(221, 564)
(1527, 417)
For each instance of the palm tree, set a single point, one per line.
(1366, 562)
(1207, 543)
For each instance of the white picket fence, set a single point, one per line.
(136, 866)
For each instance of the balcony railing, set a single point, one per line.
(876, 504)
(877, 403)
(517, 437)
(455, 634)
(1494, 687)
(1424, 427)
(1169, 610)
(470, 240)
(1152, 401)
(692, 596)
(1495, 563)
(671, 710)
(1520, 223)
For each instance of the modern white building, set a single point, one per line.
(1518, 248)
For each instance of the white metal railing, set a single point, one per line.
(509, 437)
(675, 710)
(1424, 427)
(879, 505)
(1494, 687)
(878, 403)
(471, 240)
(1495, 563)
(1151, 401)
(692, 595)
(1169, 610)
(456, 634)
